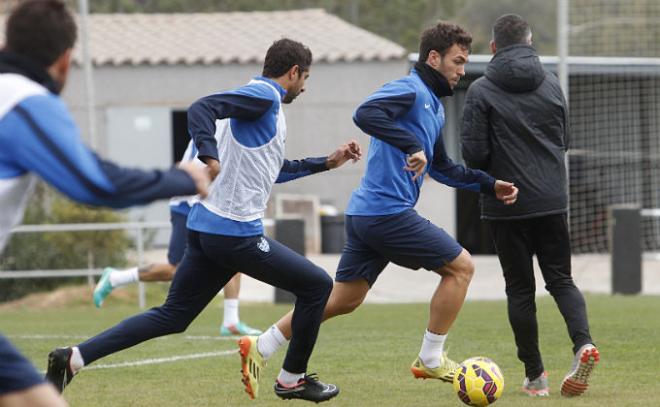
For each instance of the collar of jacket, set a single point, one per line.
(433, 79)
(11, 62)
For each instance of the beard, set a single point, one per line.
(289, 97)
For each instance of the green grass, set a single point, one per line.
(367, 354)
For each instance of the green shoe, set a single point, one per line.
(103, 287)
(239, 329)
(444, 372)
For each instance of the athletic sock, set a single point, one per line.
(76, 362)
(120, 278)
(230, 317)
(287, 379)
(270, 341)
(432, 347)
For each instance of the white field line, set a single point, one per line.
(156, 361)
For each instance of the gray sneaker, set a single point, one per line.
(537, 387)
(576, 381)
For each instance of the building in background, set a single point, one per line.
(148, 68)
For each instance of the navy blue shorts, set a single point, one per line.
(405, 238)
(16, 372)
(178, 238)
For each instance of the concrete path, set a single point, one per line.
(400, 285)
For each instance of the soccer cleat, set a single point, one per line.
(308, 388)
(103, 287)
(537, 387)
(444, 372)
(252, 363)
(59, 371)
(238, 329)
(576, 381)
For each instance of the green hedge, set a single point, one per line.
(60, 250)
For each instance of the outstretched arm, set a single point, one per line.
(447, 172)
(294, 169)
(51, 147)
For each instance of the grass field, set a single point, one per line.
(367, 354)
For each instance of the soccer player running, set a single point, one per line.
(405, 119)
(179, 209)
(514, 115)
(225, 231)
(38, 138)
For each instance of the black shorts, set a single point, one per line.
(405, 238)
(16, 372)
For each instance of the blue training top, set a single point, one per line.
(404, 117)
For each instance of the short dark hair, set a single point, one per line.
(283, 55)
(41, 30)
(441, 37)
(510, 29)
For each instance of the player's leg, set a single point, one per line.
(196, 282)
(411, 241)
(552, 246)
(20, 383)
(113, 278)
(358, 269)
(275, 264)
(344, 299)
(231, 323)
(40, 395)
(513, 242)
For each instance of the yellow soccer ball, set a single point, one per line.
(478, 382)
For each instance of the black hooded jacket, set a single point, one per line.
(515, 127)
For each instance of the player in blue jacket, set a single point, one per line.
(405, 119)
(225, 231)
(38, 139)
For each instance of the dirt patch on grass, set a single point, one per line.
(62, 297)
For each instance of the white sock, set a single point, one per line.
(230, 312)
(289, 379)
(270, 341)
(432, 347)
(119, 278)
(76, 363)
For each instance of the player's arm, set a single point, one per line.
(377, 117)
(238, 104)
(294, 169)
(51, 147)
(445, 171)
(475, 136)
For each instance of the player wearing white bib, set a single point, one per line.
(225, 231)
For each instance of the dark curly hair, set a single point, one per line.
(441, 37)
(40, 30)
(283, 55)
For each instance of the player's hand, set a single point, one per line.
(212, 166)
(416, 163)
(345, 152)
(199, 175)
(506, 192)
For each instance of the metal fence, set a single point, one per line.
(138, 227)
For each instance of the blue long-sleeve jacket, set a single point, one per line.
(404, 117)
(38, 137)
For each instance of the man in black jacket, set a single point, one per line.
(515, 127)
